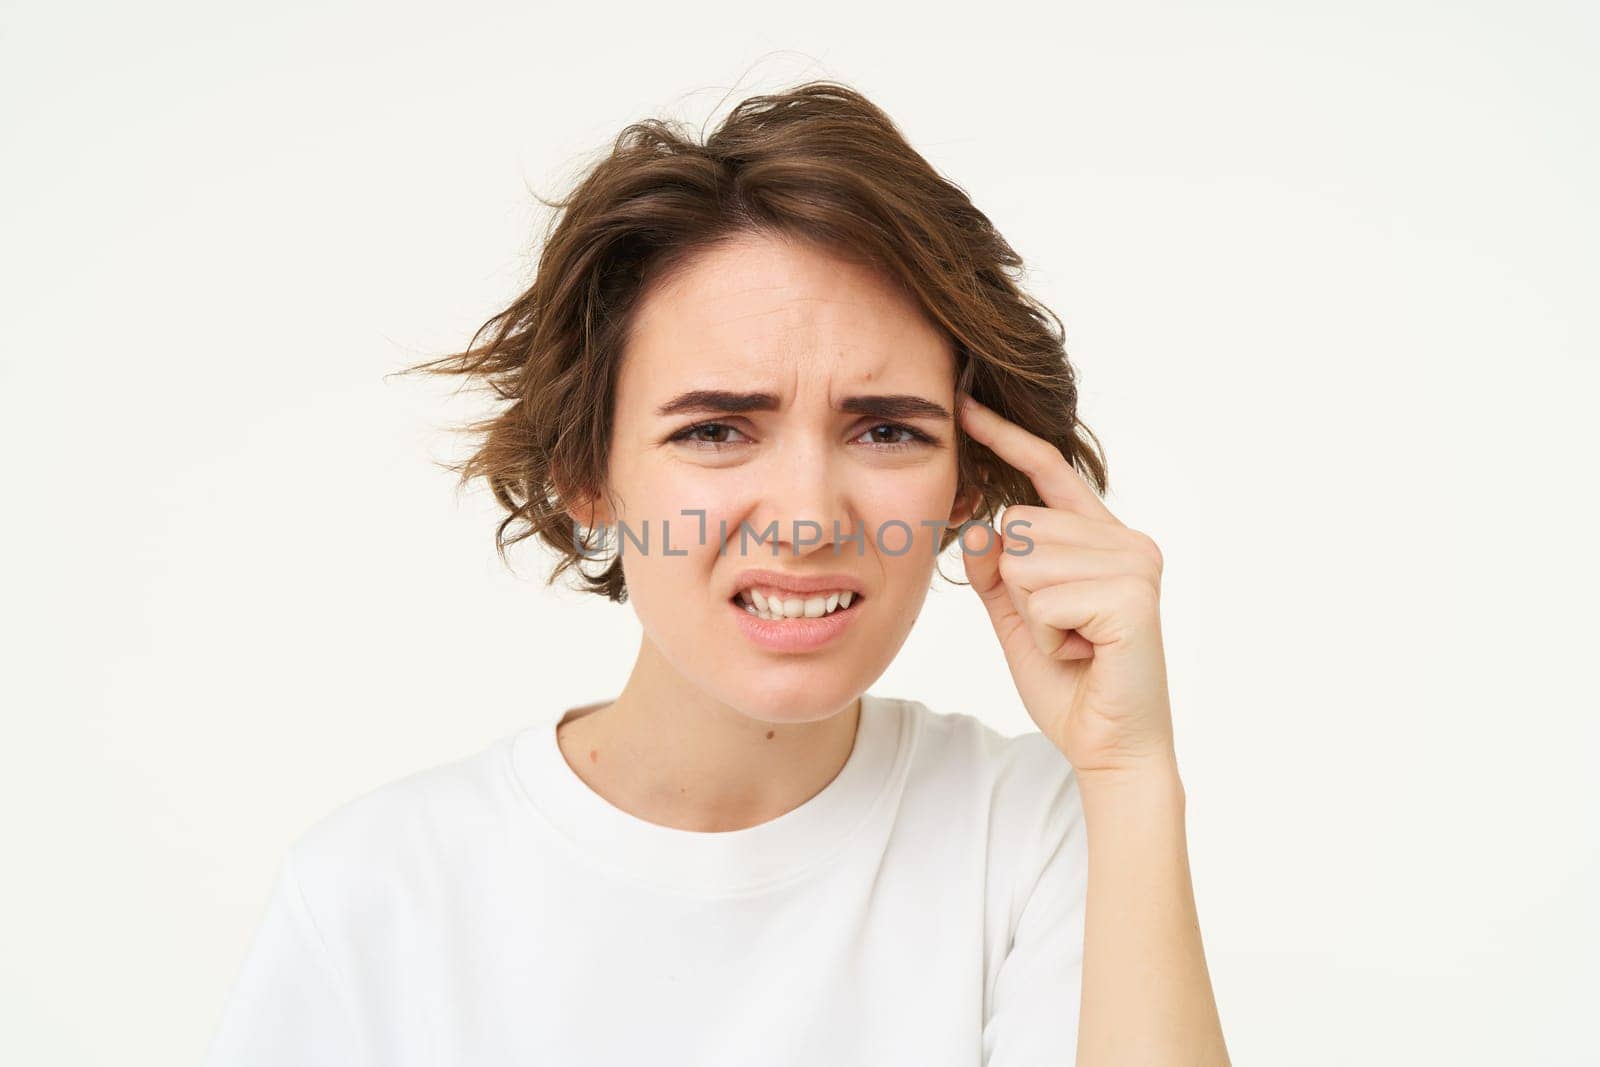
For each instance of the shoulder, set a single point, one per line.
(1015, 770)
(395, 838)
(1019, 792)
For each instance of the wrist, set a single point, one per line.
(1151, 779)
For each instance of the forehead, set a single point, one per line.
(766, 306)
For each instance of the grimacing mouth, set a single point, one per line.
(856, 597)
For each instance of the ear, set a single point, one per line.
(588, 512)
(966, 503)
(584, 508)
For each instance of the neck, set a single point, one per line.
(668, 753)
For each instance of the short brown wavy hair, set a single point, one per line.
(819, 163)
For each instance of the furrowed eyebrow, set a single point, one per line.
(895, 406)
(719, 401)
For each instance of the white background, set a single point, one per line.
(1328, 272)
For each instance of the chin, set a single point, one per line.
(785, 704)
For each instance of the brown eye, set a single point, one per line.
(913, 437)
(718, 430)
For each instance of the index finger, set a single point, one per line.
(1052, 474)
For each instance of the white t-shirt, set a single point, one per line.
(924, 908)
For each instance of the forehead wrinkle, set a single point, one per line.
(783, 319)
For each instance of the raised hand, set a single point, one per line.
(1076, 611)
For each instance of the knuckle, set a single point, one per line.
(1137, 591)
(1045, 454)
(1026, 512)
(1147, 547)
(1008, 566)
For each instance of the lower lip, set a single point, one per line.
(795, 635)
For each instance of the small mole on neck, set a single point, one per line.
(770, 733)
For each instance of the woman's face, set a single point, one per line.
(820, 458)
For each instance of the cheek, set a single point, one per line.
(666, 493)
(703, 504)
(672, 539)
(912, 496)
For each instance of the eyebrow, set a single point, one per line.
(883, 406)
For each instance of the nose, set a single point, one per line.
(806, 491)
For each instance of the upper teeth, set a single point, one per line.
(778, 604)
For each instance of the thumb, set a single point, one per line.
(981, 548)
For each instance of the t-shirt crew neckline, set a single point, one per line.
(713, 863)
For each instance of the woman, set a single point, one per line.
(750, 364)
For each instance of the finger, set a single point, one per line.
(1051, 564)
(1010, 625)
(1054, 641)
(1025, 524)
(1059, 485)
(981, 551)
(1106, 611)
(1050, 640)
